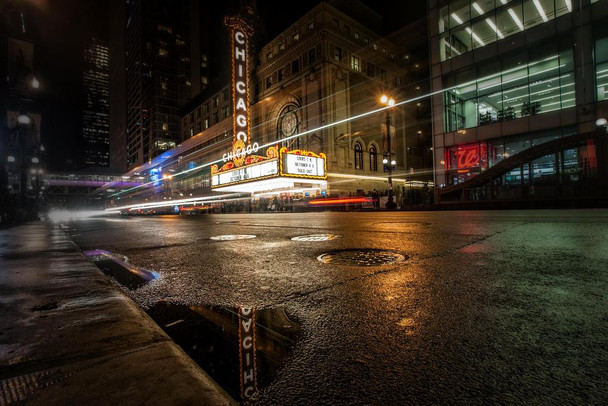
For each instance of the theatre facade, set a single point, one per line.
(300, 114)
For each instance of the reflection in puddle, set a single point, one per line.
(240, 348)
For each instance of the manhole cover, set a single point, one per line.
(316, 237)
(231, 237)
(361, 257)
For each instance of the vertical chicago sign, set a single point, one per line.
(240, 33)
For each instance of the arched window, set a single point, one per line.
(373, 158)
(288, 124)
(358, 156)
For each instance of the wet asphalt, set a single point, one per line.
(487, 307)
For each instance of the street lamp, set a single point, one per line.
(388, 161)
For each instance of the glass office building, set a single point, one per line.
(508, 77)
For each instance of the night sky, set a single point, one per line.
(62, 27)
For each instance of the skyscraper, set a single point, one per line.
(158, 75)
(95, 120)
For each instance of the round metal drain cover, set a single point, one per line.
(316, 237)
(362, 257)
(231, 237)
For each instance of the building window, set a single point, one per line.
(371, 70)
(269, 55)
(282, 46)
(601, 68)
(311, 25)
(312, 56)
(206, 123)
(225, 95)
(356, 33)
(191, 131)
(335, 22)
(281, 74)
(465, 25)
(216, 100)
(509, 89)
(215, 118)
(375, 47)
(358, 156)
(295, 66)
(165, 127)
(268, 82)
(355, 64)
(373, 158)
(162, 52)
(296, 36)
(347, 29)
(225, 112)
(338, 54)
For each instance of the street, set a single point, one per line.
(466, 307)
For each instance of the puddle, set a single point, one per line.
(119, 268)
(240, 348)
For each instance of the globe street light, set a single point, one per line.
(388, 161)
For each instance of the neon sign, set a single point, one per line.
(240, 32)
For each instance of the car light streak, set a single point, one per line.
(343, 200)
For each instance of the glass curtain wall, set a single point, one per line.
(465, 25)
(601, 69)
(538, 81)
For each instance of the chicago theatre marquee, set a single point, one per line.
(249, 167)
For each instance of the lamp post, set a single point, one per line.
(388, 160)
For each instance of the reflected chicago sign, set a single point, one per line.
(247, 361)
(240, 32)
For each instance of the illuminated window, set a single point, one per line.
(282, 46)
(601, 68)
(206, 123)
(296, 36)
(465, 25)
(509, 89)
(162, 52)
(356, 33)
(354, 63)
(358, 156)
(216, 100)
(373, 158)
(311, 25)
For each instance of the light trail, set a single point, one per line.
(320, 128)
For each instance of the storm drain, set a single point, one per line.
(316, 237)
(362, 257)
(232, 237)
(119, 268)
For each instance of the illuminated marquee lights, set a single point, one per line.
(240, 32)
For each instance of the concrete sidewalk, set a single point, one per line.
(69, 337)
